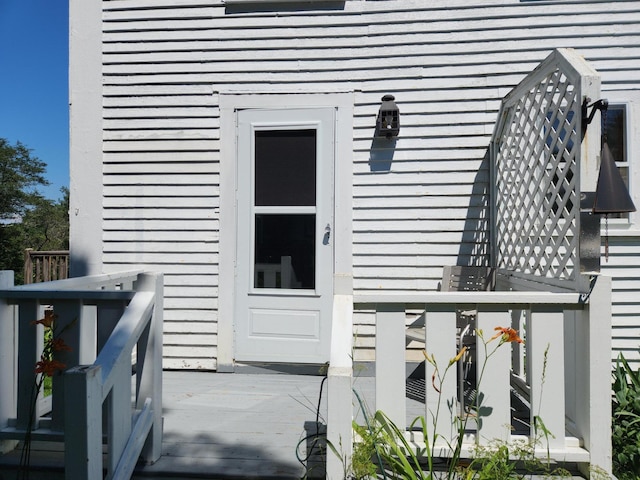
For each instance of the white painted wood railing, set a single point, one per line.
(115, 334)
(573, 399)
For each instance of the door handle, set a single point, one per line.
(327, 234)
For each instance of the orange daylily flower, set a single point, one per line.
(48, 319)
(49, 367)
(508, 334)
(58, 345)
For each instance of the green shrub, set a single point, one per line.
(626, 421)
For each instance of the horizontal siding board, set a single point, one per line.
(167, 248)
(113, 264)
(186, 178)
(190, 327)
(225, 54)
(190, 315)
(159, 213)
(372, 25)
(146, 190)
(175, 236)
(165, 168)
(129, 135)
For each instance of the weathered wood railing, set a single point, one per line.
(112, 319)
(45, 266)
(573, 398)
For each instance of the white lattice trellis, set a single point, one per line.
(537, 159)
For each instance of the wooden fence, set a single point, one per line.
(45, 266)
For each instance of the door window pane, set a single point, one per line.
(285, 167)
(285, 251)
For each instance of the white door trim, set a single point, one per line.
(343, 190)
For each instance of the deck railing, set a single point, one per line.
(573, 398)
(115, 331)
(45, 266)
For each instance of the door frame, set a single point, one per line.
(342, 234)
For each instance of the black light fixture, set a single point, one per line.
(611, 195)
(388, 122)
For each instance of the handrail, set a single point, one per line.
(124, 337)
(486, 298)
(90, 282)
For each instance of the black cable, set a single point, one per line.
(316, 437)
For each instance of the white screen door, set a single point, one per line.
(284, 253)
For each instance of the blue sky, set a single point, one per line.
(34, 106)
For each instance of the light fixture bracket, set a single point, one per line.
(587, 117)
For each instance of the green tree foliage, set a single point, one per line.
(20, 175)
(27, 220)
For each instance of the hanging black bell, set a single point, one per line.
(612, 195)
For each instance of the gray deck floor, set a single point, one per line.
(225, 425)
(220, 426)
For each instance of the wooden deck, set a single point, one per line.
(227, 426)
(222, 426)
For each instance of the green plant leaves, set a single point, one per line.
(626, 420)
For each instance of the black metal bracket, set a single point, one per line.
(587, 117)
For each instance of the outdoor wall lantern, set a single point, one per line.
(388, 122)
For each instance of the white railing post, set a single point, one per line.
(68, 318)
(28, 352)
(440, 345)
(150, 366)
(593, 369)
(339, 406)
(7, 360)
(390, 362)
(83, 423)
(546, 367)
(119, 415)
(494, 401)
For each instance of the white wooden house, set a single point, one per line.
(173, 100)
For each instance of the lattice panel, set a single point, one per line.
(536, 176)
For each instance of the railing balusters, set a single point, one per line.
(578, 331)
(83, 429)
(545, 355)
(390, 361)
(119, 415)
(88, 312)
(69, 326)
(150, 375)
(494, 400)
(7, 360)
(440, 326)
(29, 348)
(45, 266)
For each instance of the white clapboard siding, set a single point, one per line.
(623, 265)
(416, 207)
